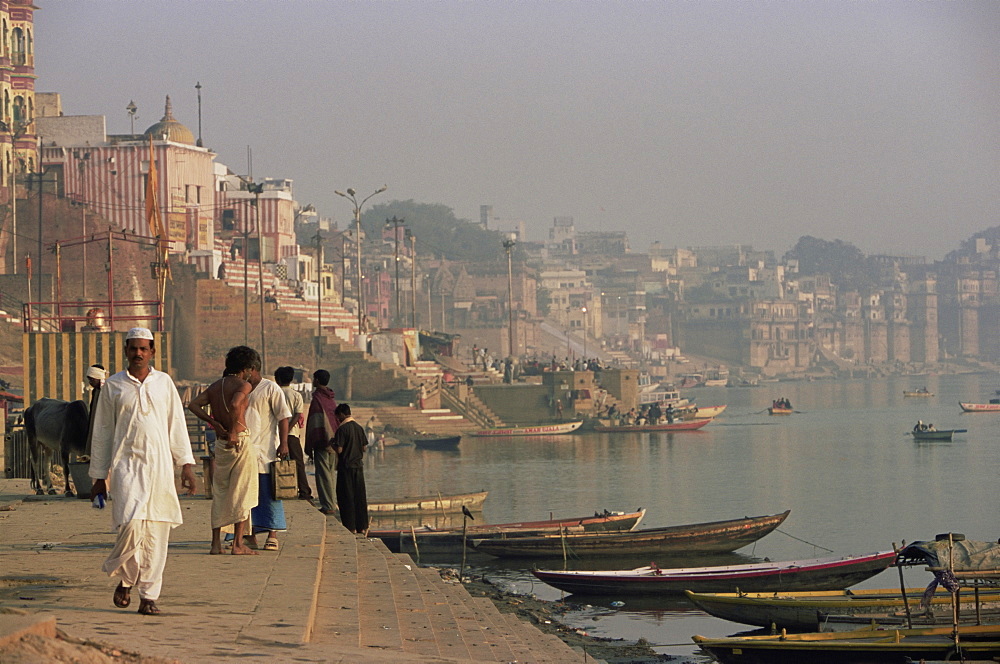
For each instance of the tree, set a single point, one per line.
(846, 264)
(437, 230)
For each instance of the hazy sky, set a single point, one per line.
(692, 123)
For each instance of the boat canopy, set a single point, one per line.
(963, 556)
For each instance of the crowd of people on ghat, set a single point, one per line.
(139, 435)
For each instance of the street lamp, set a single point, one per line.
(584, 310)
(132, 109)
(508, 244)
(351, 196)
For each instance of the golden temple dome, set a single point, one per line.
(169, 129)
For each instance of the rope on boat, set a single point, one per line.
(779, 530)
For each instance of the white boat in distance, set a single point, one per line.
(541, 430)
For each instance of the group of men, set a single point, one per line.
(139, 434)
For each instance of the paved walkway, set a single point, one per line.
(326, 596)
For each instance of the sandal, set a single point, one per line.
(271, 544)
(147, 607)
(121, 597)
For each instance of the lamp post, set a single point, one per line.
(132, 109)
(584, 310)
(257, 189)
(413, 280)
(319, 292)
(398, 318)
(508, 244)
(351, 195)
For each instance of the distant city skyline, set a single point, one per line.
(691, 124)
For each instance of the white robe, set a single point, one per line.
(140, 434)
(267, 402)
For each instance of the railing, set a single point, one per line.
(65, 316)
(466, 410)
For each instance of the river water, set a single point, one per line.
(843, 463)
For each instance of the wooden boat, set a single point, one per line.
(917, 393)
(832, 573)
(895, 646)
(694, 412)
(449, 540)
(810, 610)
(990, 407)
(680, 425)
(441, 443)
(775, 410)
(943, 434)
(541, 430)
(714, 537)
(436, 504)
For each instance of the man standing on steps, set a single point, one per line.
(234, 480)
(349, 443)
(270, 438)
(321, 425)
(139, 435)
(283, 377)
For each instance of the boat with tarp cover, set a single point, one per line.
(955, 562)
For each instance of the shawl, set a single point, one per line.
(321, 423)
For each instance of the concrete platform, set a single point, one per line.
(325, 596)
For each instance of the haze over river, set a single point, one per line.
(843, 463)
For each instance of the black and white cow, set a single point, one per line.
(61, 426)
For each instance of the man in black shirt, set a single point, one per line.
(349, 443)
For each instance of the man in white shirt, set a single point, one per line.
(270, 438)
(283, 377)
(139, 436)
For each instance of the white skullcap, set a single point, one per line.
(96, 373)
(139, 333)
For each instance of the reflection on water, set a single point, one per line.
(844, 464)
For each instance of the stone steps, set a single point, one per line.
(385, 603)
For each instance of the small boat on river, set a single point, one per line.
(922, 392)
(935, 434)
(992, 407)
(436, 504)
(557, 428)
(679, 425)
(779, 410)
(713, 537)
(871, 644)
(831, 573)
(430, 540)
(694, 412)
(438, 443)
(809, 610)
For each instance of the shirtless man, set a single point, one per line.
(234, 483)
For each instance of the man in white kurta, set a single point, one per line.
(270, 438)
(139, 436)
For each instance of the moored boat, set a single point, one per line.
(695, 412)
(830, 573)
(808, 610)
(943, 434)
(713, 537)
(437, 504)
(872, 644)
(447, 540)
(557, 428)
(438, 443)
(680, 425)
(992, 407)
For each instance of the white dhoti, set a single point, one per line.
(234, 484)
(139, 556)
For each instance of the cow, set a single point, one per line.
(61, 426)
